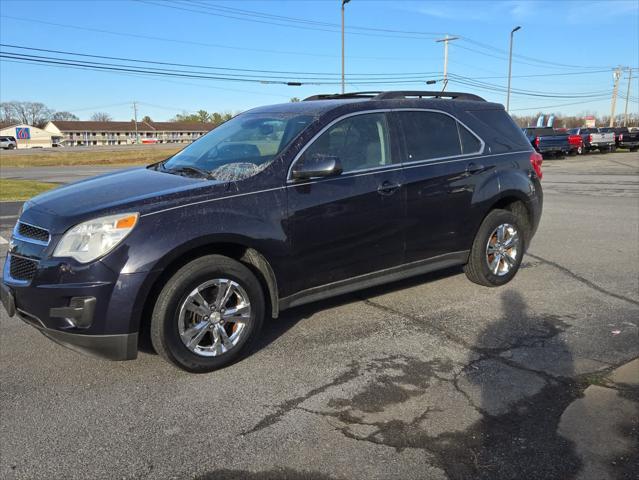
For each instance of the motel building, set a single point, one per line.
(27, 136)
(88, 133)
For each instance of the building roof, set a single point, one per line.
(89, 126)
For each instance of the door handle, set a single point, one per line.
(473, 167)
(388, 188)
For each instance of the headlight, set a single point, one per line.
(89, 240)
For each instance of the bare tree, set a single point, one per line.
(31, 113)
(64, 116)
(101, 117)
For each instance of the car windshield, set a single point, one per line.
(239, 148)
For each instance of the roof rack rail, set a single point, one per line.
(432, 94)
(398, 94)
(336, 96)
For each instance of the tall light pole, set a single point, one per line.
(344, 2)
(615, 90)
(445, 41)
(625, 115)
(510, 65)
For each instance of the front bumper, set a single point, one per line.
(90, 309)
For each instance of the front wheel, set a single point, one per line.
(497, 250)
(208, 314)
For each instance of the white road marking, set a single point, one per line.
(3, 241)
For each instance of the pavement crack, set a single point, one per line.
(583, 280)
(285, 407)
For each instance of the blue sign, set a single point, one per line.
(23, 133)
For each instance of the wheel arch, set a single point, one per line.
(235, 248)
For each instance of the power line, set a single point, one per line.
(156, 62)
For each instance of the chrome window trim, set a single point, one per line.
(420, 163)
(459, 122)
(17, 236)
(463, 156)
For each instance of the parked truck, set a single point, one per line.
(547, 141)
(594, 139)
(624, 138)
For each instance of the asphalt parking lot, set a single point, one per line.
(431, 378)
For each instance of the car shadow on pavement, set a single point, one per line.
(525, 380)
(275, 328)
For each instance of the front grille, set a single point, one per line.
(22, 268)
(36, 233)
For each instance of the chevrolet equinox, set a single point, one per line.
(279, 206)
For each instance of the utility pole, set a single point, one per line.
(625, 115)
(446, 40)
(510, 66)
(616, 75)
(344, 2)
(135, 116)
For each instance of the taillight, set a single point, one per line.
(536, 160)
(620, 138)
(536, 141)
(590, 138)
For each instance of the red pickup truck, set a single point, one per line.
(575, 141)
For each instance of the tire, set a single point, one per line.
(173, 316)
(478, 269)
(634, 149)
(604, 149)
(11, 146)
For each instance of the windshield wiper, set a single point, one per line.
(190, 170)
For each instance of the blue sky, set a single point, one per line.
(566, 49)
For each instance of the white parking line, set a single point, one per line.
(3, 241)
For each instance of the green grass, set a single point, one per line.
(22, 189)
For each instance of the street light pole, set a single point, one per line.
(344, 2)
(510, 66)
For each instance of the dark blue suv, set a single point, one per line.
(280, 206)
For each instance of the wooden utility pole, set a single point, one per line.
(615, 90)
(445, 40)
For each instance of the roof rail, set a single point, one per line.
(335, 96)
(398, 94)
(431, 94)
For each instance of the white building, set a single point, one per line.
(27, 136)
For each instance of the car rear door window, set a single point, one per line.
(360, 142)
(429, 135)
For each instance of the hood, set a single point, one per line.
(137, 189)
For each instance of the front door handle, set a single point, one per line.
(473, 167)
(388, 188)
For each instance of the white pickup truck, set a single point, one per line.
(594, 139)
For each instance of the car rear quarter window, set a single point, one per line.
(469, 142)
(429, 135)
(498, 130)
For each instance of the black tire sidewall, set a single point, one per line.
(490, 223)
(166, 312)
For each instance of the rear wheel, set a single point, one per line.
(208, 314)
(497, 250)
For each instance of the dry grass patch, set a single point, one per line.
(68, 157)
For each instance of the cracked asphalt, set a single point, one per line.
(429, 378)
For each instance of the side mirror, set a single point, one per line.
(317, 165)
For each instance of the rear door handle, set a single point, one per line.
(473, 167)
(388, 188)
